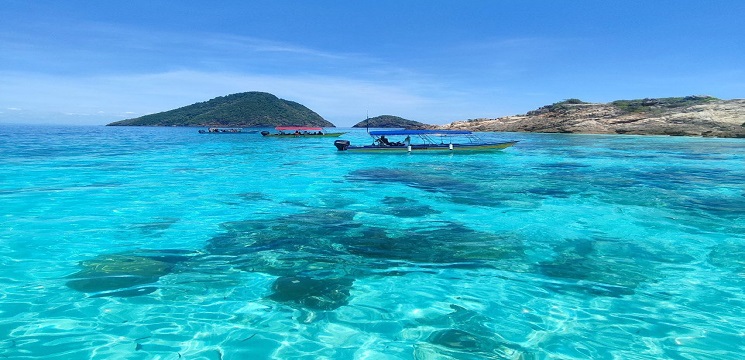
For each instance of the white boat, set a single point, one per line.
(215, 130)
(300, 131)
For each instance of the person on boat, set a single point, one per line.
(383, 141)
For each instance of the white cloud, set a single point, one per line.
(343, 101)
(341, 87)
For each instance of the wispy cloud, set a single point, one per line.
(121, 82)
(341, 100)
(89, 48)
(116, 72)
(242, 44)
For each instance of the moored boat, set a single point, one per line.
(424, 140)
(215, 130)
(300, 131)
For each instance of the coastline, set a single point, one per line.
(720, 118)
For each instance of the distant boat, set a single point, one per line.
(300, 131)
(424, 140)
(227, 131)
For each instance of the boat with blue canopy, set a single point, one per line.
(423, 140)
(301, 131)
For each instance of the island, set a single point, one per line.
(247, 109)
(676, 116)
(390, 121)
(696, 115)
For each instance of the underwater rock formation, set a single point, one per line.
(316, 256)
(457, 339)
(119, 274)
(406, 208)
(457, 190)
(463, 333)
(316, 294)
(605, 267)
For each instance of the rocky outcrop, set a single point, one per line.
(689, 116)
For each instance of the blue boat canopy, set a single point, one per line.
(419, 132)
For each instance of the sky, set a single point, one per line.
(434, 61)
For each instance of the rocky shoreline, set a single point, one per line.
(710, 117)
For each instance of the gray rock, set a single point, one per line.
(711, 118)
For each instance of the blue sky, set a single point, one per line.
(94, 62)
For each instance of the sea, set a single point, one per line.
(164, 243)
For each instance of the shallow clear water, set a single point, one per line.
(162, 243)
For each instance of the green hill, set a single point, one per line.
(390, 121)
(248, 109)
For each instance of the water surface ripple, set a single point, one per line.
(142, 243)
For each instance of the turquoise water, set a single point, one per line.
(162, 243)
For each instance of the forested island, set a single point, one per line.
(390, 121)
(248, 109)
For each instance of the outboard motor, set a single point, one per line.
(264, 133)
(341, 145)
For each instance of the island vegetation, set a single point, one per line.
(248, 109)
(646, 105)
(390, 121)
(683, 116)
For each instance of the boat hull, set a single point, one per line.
(304, 135)
(228, 131)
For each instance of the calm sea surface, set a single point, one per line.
(162, 243)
